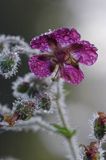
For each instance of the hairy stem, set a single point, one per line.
(74, 154)
(31, 124)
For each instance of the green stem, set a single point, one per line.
(64, 120)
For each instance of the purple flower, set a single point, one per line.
(61, 52)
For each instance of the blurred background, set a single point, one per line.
(28, 18)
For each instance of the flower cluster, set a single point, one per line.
(41, 91)
(32, 99)
(23, 109)
(61, 52)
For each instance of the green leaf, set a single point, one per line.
(65, 131)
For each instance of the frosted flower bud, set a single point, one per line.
(23, 88)
(28, 86)
(8, 64)
(24, 109)
(100, 125)
(91, 152)
(43, 102)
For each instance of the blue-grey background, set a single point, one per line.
(32, 17)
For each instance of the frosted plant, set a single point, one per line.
(54, 58)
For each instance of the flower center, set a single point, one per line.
(61, 56)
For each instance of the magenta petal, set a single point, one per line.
(40, 43)
(87, 54)
(66, 36)
(41, 66)
(63, 36)
(75, 35)
(71, 74)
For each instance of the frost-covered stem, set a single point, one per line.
(20, 45)
(26, 50)
(46, 126)
(100, 143)
(30, 125)
(74, 154)
(12, 39)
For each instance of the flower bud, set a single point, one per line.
(100, 125)
(24, 109)
(8, 63)
(91, 152)
(23, 87)
(28, 86)
(43, 102)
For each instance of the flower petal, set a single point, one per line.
(85, 54)
(66, 36)
(41, 65)
(40, 42)
(63, 36)
(71, 74)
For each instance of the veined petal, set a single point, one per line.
(40, 42)
(62, 36)
(41, 65)
(66, 36)
(86, 54)
(71, 74)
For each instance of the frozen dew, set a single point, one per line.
(9, 63)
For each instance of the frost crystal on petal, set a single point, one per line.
(71, 74)
(41, 66)
(66, 36)
(40, 43)
(87, 54)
